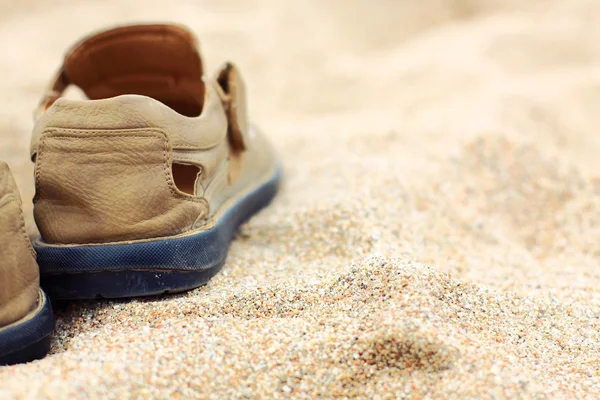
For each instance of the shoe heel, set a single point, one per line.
(34, 351)
(28, 339)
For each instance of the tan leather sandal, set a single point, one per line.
(141, 187)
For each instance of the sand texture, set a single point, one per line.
(438, 231)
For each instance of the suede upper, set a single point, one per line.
(19, 276)
(156, 150)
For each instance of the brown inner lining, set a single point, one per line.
(158, 61)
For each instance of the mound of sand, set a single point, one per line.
(438, 232)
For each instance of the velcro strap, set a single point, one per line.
(233, 97)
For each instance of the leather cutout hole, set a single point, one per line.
(185, 177)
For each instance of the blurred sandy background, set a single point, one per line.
(419, 139)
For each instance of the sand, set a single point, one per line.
(438, 231)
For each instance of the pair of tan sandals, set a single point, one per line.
(140, 187)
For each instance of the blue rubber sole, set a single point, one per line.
(167, 265)
(29, 339)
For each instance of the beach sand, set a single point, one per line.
(437, 234)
